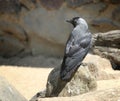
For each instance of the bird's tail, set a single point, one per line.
(67, 75)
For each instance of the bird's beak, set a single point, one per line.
(70, 21)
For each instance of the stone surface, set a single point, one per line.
(84, 79)
(13, 40)
(9, 6)
(22, 76)
(81, 82)
(48, 34)
(77, 3)
(100, 67)
(112, 94)
(108, 39)
(8, 92)
(54, 4)
(43, 22)
(108, 45)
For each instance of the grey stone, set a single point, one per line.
(8, 92)
(54, 4)
(13, 39)
(48, 30)
(42, 29)
(112, 94)
(81, 82)
(105, 24)
(9, 6)
(13, 29)
(116, 14)
(108, 45)
(77, 3)
(10, 46)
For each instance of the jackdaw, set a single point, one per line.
(77, 47)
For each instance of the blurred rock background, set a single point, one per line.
(38, 26)
(33, 33)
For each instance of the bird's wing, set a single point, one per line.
(74, 55)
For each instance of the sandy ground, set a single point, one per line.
(29, 75)
(28, 81)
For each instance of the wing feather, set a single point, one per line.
(74, 54)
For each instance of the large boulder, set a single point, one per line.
(101, 68)
(94, 68)
(9, 6)
(81, 82)
(108, 45)
(8, 92)
(13, 39)
(112, 94)
(43, 22)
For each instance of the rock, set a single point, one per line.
(42, 22)
(10, 46)
(82, 82)
(97, 69)
(45, 40)
(105, 23)
(101, 68)
(48, 34)
(114, 1)
(8, 92)
(108, 45)
(13, 40)
(13, 29)
(77, 3)
(9, 6)
(112, 94)
(54, 4)
(116, 14)
(108, 39)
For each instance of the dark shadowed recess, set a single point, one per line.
(52, 4)
(9, 6)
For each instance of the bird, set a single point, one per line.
(77, 47)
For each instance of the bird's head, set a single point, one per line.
(78, 21)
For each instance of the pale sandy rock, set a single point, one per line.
(80, 83)
(102, 95)
(8, 92)
(102, 68)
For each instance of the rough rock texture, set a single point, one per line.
(22, 76)
(77, 3)
(100, 69)
(108, 45)
(103, 95)
(9, 6)
(13, 39)
(43, 23)
(54, 4)
(81, 82)
(9, 93)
